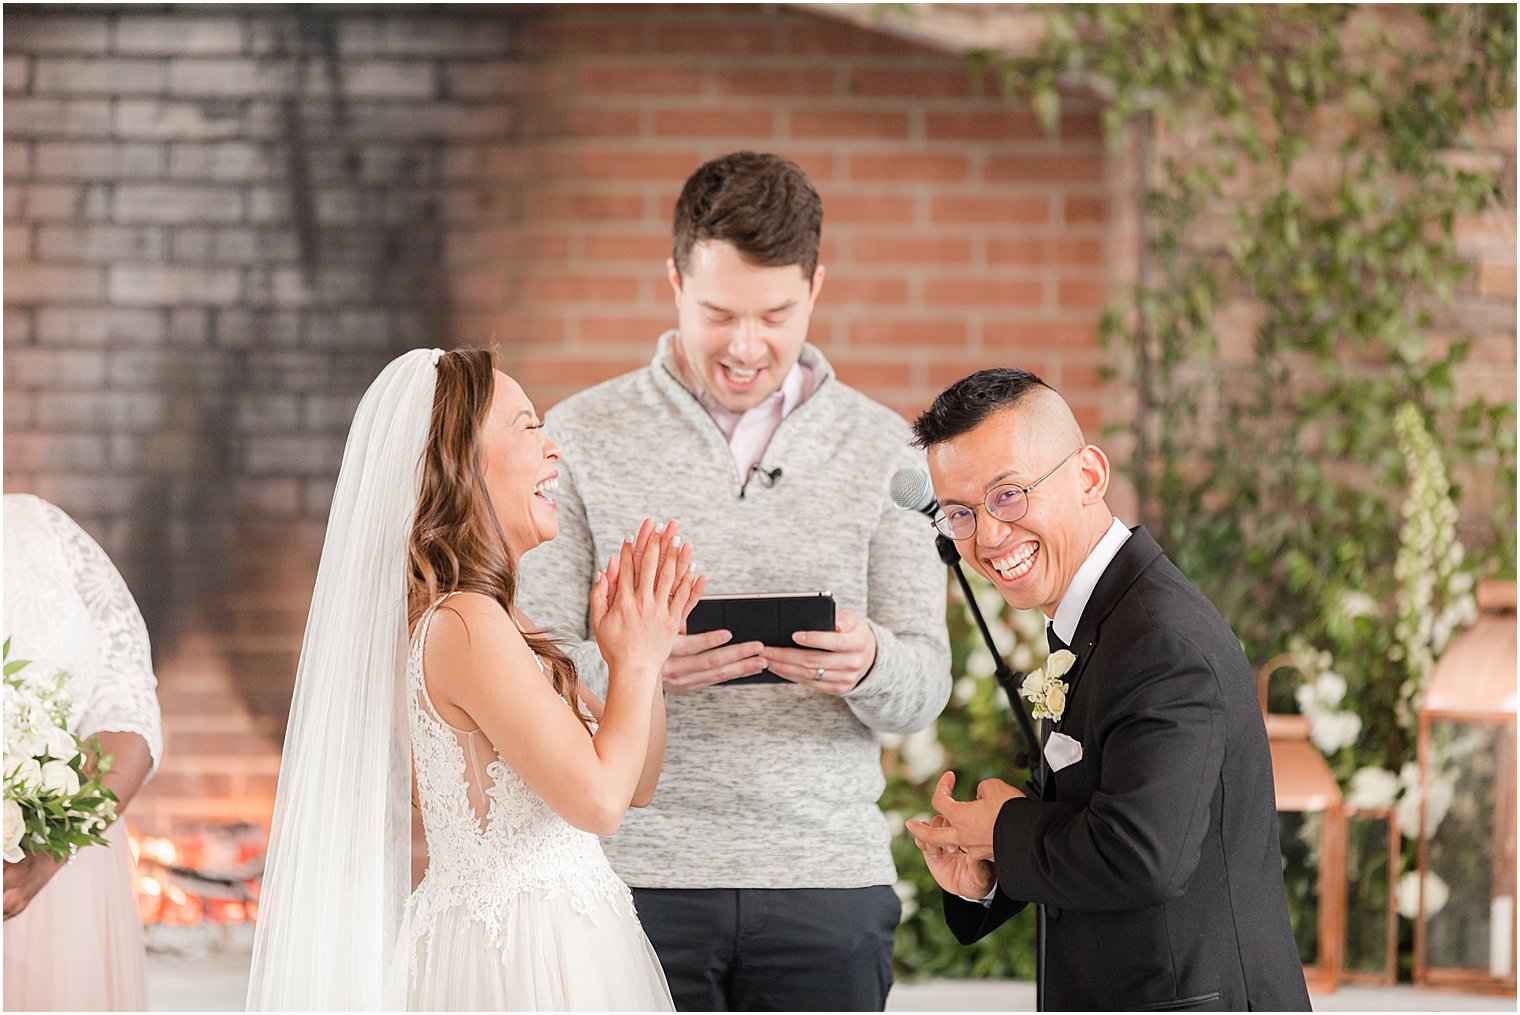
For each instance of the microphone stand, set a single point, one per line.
(1034, 758)
(1007, 679)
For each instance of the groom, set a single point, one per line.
(1150, 836)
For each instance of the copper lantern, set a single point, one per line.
(1465, 921)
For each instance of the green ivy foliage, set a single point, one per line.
(1317, 197)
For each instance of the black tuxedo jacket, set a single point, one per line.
(1156, 855)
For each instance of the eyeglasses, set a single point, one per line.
(1007, 503)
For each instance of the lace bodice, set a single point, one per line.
(66, 607)
(489, 835)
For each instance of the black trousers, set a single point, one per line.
(773, 949)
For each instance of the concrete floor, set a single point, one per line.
(219, 981)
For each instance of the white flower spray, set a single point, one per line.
(1435, 597)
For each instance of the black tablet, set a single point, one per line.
(769, 618)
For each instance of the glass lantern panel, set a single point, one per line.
(1469, 825)
(1300, 839)
(1367, 895)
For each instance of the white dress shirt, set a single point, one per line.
(1069, 610)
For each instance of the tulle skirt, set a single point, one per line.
(79, 945)
(546, 956)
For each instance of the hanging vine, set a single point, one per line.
(1292, 324)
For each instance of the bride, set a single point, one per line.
(420, 684)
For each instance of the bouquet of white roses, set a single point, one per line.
(54, 802)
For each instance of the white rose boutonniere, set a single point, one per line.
(1045, 690)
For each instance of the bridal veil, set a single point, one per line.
(339, 864)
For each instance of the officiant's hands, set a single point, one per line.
(957, 843)
(642, 599)
(702, 660)
(829, 661)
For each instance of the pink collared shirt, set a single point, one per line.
(749, 432)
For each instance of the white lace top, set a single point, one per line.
(490, 837)
(66, 607)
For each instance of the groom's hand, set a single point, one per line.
(968, 825)
(953, 870)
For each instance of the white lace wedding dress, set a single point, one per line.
(79, 944)
(518, 910)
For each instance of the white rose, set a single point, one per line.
(29, 772)
(1330, 688)
(15, 827)
(59, 778)
(1436, 894)
(61, 744)
(1059, 663)
(1055, 699)
(1331, 731)
(1034, 685)
(28, 741)
(1304, 695)
(1373, 789)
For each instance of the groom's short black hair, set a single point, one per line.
(963, 406)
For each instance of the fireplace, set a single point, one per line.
(199, 891)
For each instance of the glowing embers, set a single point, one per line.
(199, 891)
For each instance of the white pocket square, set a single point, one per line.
(1061, 751)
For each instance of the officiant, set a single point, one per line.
(762, 870)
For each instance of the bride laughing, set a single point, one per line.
(420, 684)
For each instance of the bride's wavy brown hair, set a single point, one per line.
(457, 544)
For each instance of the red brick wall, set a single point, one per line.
(957, 234)
(221, 221)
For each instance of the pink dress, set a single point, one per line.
(79, 944)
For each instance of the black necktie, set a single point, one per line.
(1054, 640)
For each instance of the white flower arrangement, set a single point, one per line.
(54, 801)
(1319, 697)
(1373, 789)
(1437, 894)
(1045, 690)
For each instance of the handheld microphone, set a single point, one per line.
(911, 492)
